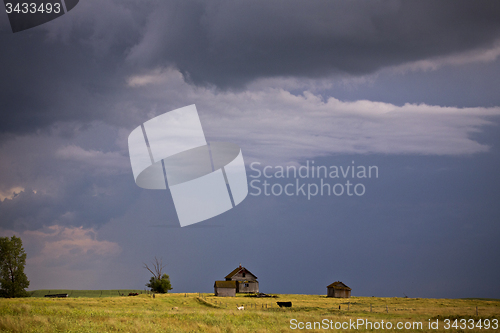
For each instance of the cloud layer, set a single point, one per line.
(73, 69)
(410, 86)
(275, 125)
(230, 43)
(58, 253)
(85, 178)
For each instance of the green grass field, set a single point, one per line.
(206, 313)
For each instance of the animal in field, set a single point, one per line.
(285, 304)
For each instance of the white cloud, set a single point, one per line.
(155, 77)
(67, 245)
(10, 193)
(275, 125)
(98, 160)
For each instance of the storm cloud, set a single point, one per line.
(408, 86)
(75, 68)
(229, 43)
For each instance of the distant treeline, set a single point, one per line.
(86, 293)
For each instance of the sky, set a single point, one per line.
(409, 88)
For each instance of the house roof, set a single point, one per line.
(225, 284)
(338, 285)
(237, 270)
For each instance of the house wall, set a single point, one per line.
(240, 277)
(225, 292)
(340, 293)
(253, 287)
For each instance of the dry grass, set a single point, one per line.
(207, 313)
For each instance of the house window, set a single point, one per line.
(247, 285)
(243, 274)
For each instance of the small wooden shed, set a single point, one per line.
(225, 288)
(338, 289)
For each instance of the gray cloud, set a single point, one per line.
(74, 69)
(69, 69)
(377, 82)
(85, 179)
(60, 183)
(229, 43)
(273, 125)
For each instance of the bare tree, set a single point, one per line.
(157, 269)
(159, 282)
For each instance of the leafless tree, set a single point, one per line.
(157, 269)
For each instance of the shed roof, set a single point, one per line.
(225, 284)
(237, 270)
(338, 285)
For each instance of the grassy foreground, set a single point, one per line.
(207, 313)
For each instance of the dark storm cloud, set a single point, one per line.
(75, 68)
(68, 69)
(229, 43)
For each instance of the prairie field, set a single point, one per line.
(108, 311)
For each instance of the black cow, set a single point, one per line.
(285, 304)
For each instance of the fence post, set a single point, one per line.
(386, 309)
(476, 311)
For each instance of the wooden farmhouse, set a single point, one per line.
(240, 280)
(338, 289)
